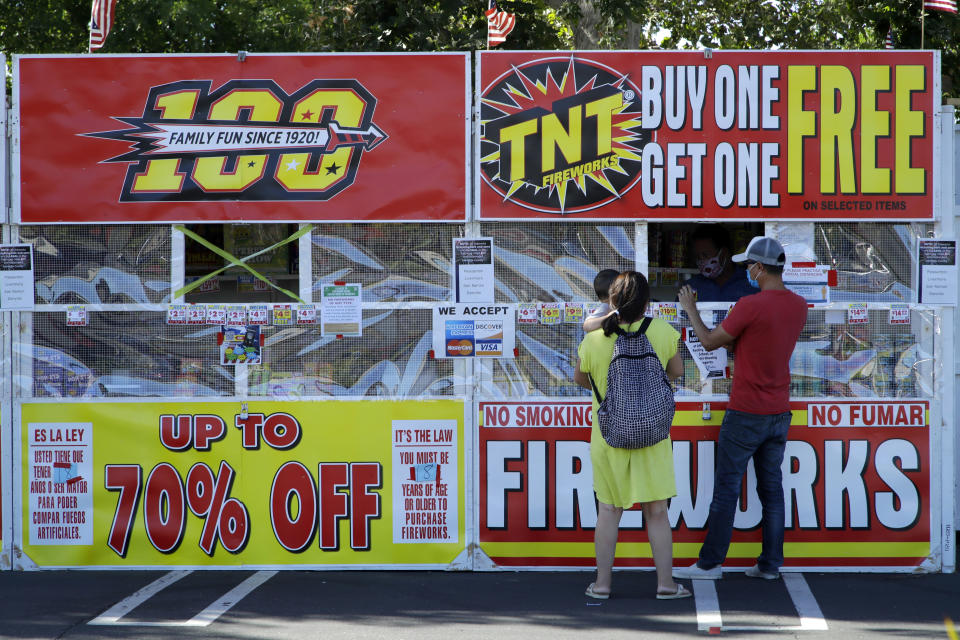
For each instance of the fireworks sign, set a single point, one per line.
(736, 135)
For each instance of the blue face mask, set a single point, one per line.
(751, 280)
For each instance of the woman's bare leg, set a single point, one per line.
(661, 542)
(605, 542)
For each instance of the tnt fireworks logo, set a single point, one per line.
(561, 135)
(246, 140)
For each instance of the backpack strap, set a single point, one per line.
(643, 325)
(595, 391)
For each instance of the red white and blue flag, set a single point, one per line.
(101, 19)
(499, 24)
(950, 6)
(888, 41)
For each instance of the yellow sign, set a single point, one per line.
(205, 484)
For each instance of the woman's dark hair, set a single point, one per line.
(629, 295)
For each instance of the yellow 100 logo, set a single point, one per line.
(246, 140)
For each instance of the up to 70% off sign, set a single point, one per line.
(166, 497)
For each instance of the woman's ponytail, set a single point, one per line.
(629, 295)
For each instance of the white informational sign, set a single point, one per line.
(857, 313)
(938, 271)
(60, 467)
(76, 316)
(177, 313)
(473, 269)
(258, 314)
(341, 310)
(306, 314)
(711, 364)
(899, 314)
(474, 330)
(425, 481)
(216, 314)
(197, 314)
(808, 280)
(16, 277)
(236, 315)
(527, 313)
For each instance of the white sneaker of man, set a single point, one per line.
(754, 572)
(693, 572)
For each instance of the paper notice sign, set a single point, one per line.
(424, 461)
(899, 314)
(282, 315)
(177, 314)
(550, 313)
(573, 313)
(258, 314)
(216, 314)
(527, 313)
(236, 315)
(76, 316)
(857, 313)
(710, 364)
(197, 314)
(306, 314)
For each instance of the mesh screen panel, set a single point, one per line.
(876, 359)
(874, 261)
(100, 264)
(552, 262)
(391, 359)
(123, 354)
(393, 262)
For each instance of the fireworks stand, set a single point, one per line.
(322, 311)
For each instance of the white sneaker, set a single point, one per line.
(754, 572)
(693, 572)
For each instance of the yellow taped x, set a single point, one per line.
(238, 262)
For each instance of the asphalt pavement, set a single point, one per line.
(434, 605)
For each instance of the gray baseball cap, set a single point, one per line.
(763, 249)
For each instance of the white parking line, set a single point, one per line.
(134, 600)
(232, 597)
(708, 605)
(710, 619)
(113, 615)
(811, 618)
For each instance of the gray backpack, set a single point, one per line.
(638, 409)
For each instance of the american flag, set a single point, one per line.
(950, 6)
(101, 19)
(888, 41)
(499, 24)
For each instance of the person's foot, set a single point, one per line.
(679, 592)
(694, 572)
(755, 572)
(592, 592)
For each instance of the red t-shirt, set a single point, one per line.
(766, 326)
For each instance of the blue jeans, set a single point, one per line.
(742, 436)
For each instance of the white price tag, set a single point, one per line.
(857, 313)
(177, 314)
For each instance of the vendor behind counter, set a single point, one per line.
(720, 279)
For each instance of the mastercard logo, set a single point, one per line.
(459, 347)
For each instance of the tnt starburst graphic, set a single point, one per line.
(561, 135)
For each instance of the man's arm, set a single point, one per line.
(710, 339)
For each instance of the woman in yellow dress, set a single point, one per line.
(624, 477)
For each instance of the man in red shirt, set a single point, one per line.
(765, 326)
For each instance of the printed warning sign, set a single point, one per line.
(60, 467)
(424, 481)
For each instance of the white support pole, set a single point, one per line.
(305, 247)
(177, 264)
(948, 396)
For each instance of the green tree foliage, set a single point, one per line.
(205, 26)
